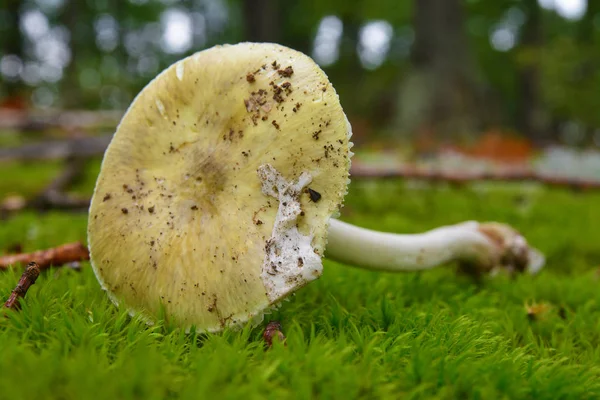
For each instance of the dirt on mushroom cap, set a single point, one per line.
(184, 162)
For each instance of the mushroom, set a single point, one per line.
(215, 196)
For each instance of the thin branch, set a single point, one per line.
(50, 201)
(363, 171)
(59, 201)
(53, 197)
(56, 256)
(72, 173)
(57, 149)
(25, 120)
(28, 278)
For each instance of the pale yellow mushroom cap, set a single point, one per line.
(201, 211)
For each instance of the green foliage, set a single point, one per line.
(110, 77)
(351, 334)
(25, 178)
(571, 81)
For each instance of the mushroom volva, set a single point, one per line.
(216, 194)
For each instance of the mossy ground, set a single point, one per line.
(351, 334)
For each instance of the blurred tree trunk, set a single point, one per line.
(586, 36)
(297, 26)
(71, 16)
(440, 96)
(262, 20)
(277, 22)
(587, 26)
(531, 116)
(120, 10)
(12, 42)
(349, 44)
(347, 72)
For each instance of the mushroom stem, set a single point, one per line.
(484, 246)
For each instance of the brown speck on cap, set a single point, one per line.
(151, 209)
(124, 210)
(250, 78)
(286, 72)
(277, 97)
(275, 124)
(107, 196)
(277, 91)
(213, 306)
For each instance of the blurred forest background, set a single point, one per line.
(501, 77)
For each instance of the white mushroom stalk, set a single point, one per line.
(485, 246)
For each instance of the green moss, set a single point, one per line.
(26, 178)
(351, 334)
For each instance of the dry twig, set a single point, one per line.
(27, 120)
(53, 196)
(57, 149)
(56, 256)
(28, 278)
(363, 171)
